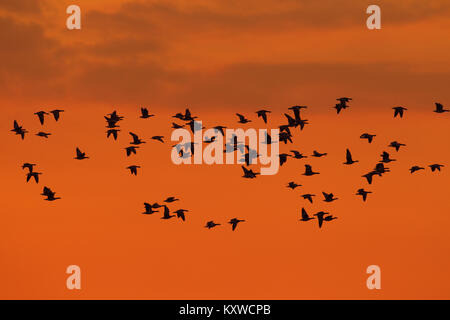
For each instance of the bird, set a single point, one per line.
(156, 205)
(248, 173)
(180, 213)
(49, 194)
(234, 222)
(308, 196)
(43, 134)
(339, 107)
(440, 108)
(349, 158)
(296, 110)
(344, 100)
(114, 116)
(133, 169)
(308, 171)
(263, 114)
(242, 119)
(385, 157)
(291, 121)
(34, 175)
(159, 138)
(145, 114)
(56, 113)
(298, 155)
(80, 155)
(416, 168)
(220, 129)
(305, 216)
(167, 214)
(171, 199)
(293, 185)
(396, 145)
(28, 166)
(285, 137)
(328, 197)
(319, 216)
(149, 209)
(136, 139)
(380, 169)
(112, 132)
(41, 115)
(369, 176)
(19, 130)
(211, 224)
(130, 150)
(329, 218)
(363, 193)
(435, 167)
(177, 126)
(283, 158)
(399, 111)
(367, 136)
(318, 154)
(188, 116)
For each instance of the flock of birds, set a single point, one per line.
(187, 150)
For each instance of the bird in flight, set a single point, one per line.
(396, 145)
(363, 193)
(28, 166)
(133, 169)
(308, 196)
(368, 136)
(308, 171)
(211, 224)
(56, 113)
(440, 108)
(328, 197)
(180, 213)
(435, 167)
(263, 114)
(349, 158)
(242, 119)
(112, 132)
(298, 155)
(293, 185)
(43, 134)
(283, 158)
(329, 218)
(369, 176)
(19, 130)
(305, 217)
(177, 126)
(399, 111)
(319, 216)
(296, 110)
(248, 173)
(339, 106)
(318, 154)
(167, 214)
(130, 150)
(234, 222)
(415, 168)
(171, 199)
(34, 175)
(47, 192)
(385, 157)
(220, 129)
(159, 138)
(80, 155)
(41, 115)
(148, 209)
(145, 114)
(136, 141)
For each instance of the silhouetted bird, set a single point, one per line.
(220, 129)
(167, 214)
(130, 150)
(180, 213)
(363, 193)
(293, 185)
(328, 197)
(171, 199)
(114, 116)
(111, 123)
(368, 136)
(133, 169)
(385, 157)
(344, 100)
(285, 128)
(234, 222)
(305, 216)
(211, 224)
(263, 114)
(177, 126)
(291, 121)
(285, 137)
(34, 175)
(149, 209)
(415, 168)
(440, 108)
(318, 154)
(136, 140)
(380, 169)
(188, 116)
(28, 166)
(296, 110)
(319, 216)
(56, 113)
(283, 158)
(248, 173)
(396, 145)
(156, 205)
(329, 218)
(435, 167)
(349, 158)
(41, 115)
(80, 155)
(308, 171)
(298, 155)
(19, 130)
(369, 176)
(339, 107)
(308, 196)
(242, 119)
(49, 194)
(159, 138)
(399, 111)
(43, 134)
(145, 114)
(112, 132)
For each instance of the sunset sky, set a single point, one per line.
(218, 58)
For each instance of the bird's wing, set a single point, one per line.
(349, 156)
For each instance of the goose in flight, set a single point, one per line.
(399, 111)
(308, 171)
(242, 119)
(329, 218)
(349, 158)
(112, 132)
(171, 199)
(285, 137)
(435, 167)
(363, 193)
(34, 175)
(80, 155)
(133, 169)
(380, 169)
(344, 100)
(339, 107)
(19, 130)
(296, 110)
(211, 224)
(177, 126)
(136, 140)
(180, 214)
(167, 214)
(56, 113)
(43, 134)
(320, 216)
(41, 115)
(47, 192)
(293, 185)
(28, 166)
(114, 116)
(220, 129)
(149, 209)
(318, 154)
(328, 197)
(369, 176)
(440, 108)
(298, 155)
(385, 157)
(159, 138)
(415, 168)
(145, 114)
(367, 136)
(130, 150)
(234, 222)
(305, 217)
(283, 158)
(248, 173)
(396, 145)
(263, 114)
(308, 196)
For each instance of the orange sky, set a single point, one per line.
(220, 58)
